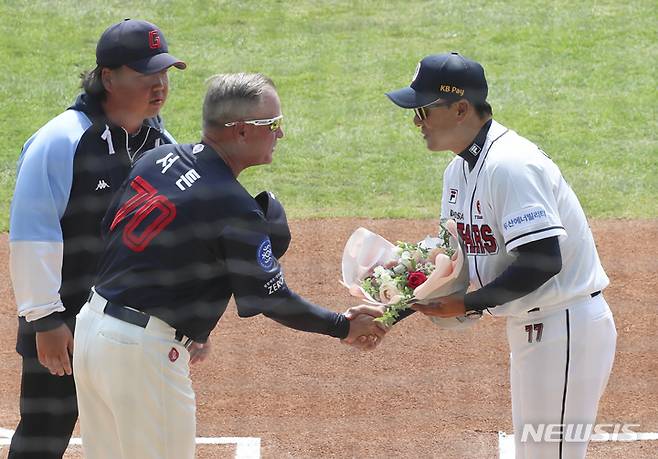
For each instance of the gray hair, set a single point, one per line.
(233, 96)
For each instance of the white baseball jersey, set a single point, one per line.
(514, 195)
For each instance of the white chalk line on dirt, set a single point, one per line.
(246, 447)
(506, 448)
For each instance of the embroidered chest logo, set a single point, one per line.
(478, 239)
(102, 184)
(452, 199)
(477, 206)
(456, 215)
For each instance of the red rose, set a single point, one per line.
(415, 278)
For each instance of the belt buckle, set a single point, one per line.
(184, 340)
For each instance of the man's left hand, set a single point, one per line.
(199, 351)
(448, 306)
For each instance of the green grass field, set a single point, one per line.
(578, 78)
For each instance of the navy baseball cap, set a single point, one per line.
(137, 44)
(443, 76)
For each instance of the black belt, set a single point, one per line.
(135, 317)
(597, 293)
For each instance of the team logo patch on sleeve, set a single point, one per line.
(264, 255)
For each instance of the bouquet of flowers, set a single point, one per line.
(396, 276)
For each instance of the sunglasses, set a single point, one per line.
(422, 112)
(272, 123)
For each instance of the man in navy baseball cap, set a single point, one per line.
(443, 76)
(137, 44)
(442, 86)
(131, 76)
(69, 170)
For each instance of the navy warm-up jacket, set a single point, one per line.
(67, 174)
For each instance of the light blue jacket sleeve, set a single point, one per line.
(43, 184)
(44, 177)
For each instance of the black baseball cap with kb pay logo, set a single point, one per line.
(443, 76)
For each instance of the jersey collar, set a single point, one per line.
(93, 108)
(471, 153)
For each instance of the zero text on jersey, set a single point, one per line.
(275, 284)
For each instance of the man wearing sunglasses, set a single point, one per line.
(531, 254)
(181, 238)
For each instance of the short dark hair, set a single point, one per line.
(91, 82)
(483, 109)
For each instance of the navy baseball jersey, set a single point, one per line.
(183, 236)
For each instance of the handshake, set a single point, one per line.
(365, 332)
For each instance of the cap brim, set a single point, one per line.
(157, 63)
(410, 98)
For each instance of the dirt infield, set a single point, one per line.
(425, 392)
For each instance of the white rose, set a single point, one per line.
(395, 299)
(407, 262)
(388, 292)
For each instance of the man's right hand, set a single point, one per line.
(54, 348)
(365, 333)
(371, 310)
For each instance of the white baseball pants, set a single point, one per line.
(560, 364)
(135, 395)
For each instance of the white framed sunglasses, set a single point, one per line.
(272, 123)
